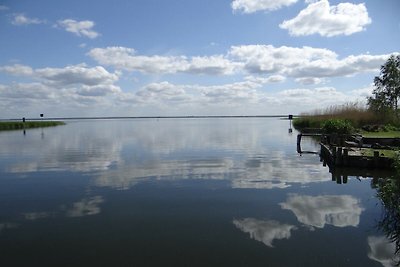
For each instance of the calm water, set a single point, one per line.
(180, 192)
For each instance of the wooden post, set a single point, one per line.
(345, 156)
(298, 143)
(339, 156)
(376, 159)
(333, 155)
(338, 178)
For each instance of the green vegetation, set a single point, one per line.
(15, 125)
(389, 134)
(381, 114)
(369, 152)
(386, 95)
(350, 114)
(337, 126)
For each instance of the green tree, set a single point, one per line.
(386, 94)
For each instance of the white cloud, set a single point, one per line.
(163, 93)
(265, 231)
(307, 63)
(3, 7)
(316, 211)
(304, 62)
(69, 87)
(213, 65)
(17, 69)
(382, 251)
(26, 91)
(309, 80)
(321, 18)
(79, 28)
(251, 6)
(78, 74)
(21, 19)
(126, 58)
(269, 79)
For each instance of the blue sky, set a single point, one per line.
(186, 57)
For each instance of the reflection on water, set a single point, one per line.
(382, 250)
(336, 210)
(264, 231)
(198, 192)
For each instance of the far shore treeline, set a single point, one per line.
(16, 125)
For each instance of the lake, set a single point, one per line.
(181, 192)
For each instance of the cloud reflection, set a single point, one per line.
(265, 231)
(7, 225)
(382, 250)
(317, 211)
(85, 207)
(244, 152)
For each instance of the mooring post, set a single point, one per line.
(333, 159)
(298, 143)
(376, 158)
(338, 178)
(339, 156)
(345, 156)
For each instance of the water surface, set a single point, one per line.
(180, 192)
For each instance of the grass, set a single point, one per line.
(389, 134)
(369, 152)
(355, 113)
(16, 125)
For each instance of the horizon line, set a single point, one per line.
(151, 117)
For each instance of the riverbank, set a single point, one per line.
(19, 125)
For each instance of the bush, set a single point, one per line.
(337, 126)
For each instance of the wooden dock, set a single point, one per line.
(337, 152)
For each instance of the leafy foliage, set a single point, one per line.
(337, 126)
(386, 95)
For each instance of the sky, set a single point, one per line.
(190, 57)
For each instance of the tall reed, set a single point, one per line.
(356, 113)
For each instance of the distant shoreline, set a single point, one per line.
(150, 117)
(19, 125)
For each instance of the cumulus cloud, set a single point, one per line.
(78, 74)
(265, 231)
(310, 64)
(278, 62)
(325, 20)
(309, 80)
(251, 6)
(382, 251)
(79, 28)
(22, 19)
(127, 59)
(317, 211)
(303, 62)
(17, 69)
(26, 91)
(72, 85)
(162, 92)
